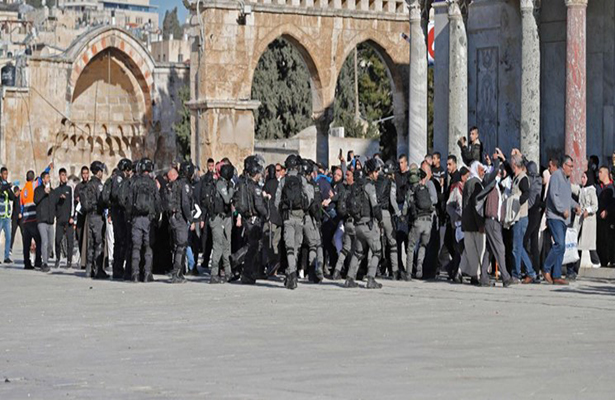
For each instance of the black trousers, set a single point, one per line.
(253, 235)
(121, 240)
(530, 240)
(64, 228)
(605, 245)
(29, 232)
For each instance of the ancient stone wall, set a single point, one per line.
(222, 111)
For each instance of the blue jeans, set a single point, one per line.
(5, 225)
(519, 252)
(556, 255)
(190, 258)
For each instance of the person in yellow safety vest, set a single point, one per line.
(6, 200)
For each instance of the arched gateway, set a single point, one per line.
(236, 35)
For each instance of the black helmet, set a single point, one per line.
(146, 165)
(186, 170)
(371, 165)
(358, 174)
(390, 167)
(227, 171)
(292, 161)
(136, 166)
(97, 166)
(307, 167)
(124, 165)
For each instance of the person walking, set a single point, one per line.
(559, 206)
(44, 216)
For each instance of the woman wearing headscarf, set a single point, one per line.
(587, 224)
(473, 226)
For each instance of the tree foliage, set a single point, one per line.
(375, 100)
(171, 25)
(182, 128)
(39, 3)
(282, 84)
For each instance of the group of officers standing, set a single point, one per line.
(242, 224)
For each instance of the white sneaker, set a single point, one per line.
(596, 265)
(301, 274)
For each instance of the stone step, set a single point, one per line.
(597, 273)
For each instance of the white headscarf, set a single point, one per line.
(474, 170)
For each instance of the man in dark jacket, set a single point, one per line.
(64, 209)
(79, 218)
(45, 214)
(273, 226)
(473, 151)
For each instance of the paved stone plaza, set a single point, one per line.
(67, 337)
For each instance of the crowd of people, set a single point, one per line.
(481, 219)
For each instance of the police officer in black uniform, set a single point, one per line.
(118, 217)
(253, 221)
(92, 194)
(180, 205)
(145, 210)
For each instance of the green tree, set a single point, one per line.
(182, 128)
(375, 100)
(39, 3)
(171, 25)
(282, 84)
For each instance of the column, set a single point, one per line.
(458, 79)
(417, 136)
(576, 89)
(440, 122)
(530, 83)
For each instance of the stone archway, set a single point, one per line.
(111, 84)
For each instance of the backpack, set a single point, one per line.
(314, 208)
(293, 197)
(211, 199)
(383, 192)
(87, 198)
(123, 194)
(242, 199)
(358, 203)
(341, 207)
(143, 197)
(106, 192)
(422, 199)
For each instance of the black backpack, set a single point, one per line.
(315, 208)
(358, 203)
(341, 208)
(422, 199)
(106, 192)
(242, 199)
(293, 197)
(87, 198)
(123, 194)
(211, 199)
(143, 197)
(383, 192)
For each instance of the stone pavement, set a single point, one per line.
(66, 337)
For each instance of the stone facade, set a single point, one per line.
(104, 98)
(325, 33)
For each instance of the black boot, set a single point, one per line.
(350, 283)
(45, 268)
(57, 264)
(337, 275)
(149, 277)
(291, 281)
(372, 284)
(215, 279)
(69, 265)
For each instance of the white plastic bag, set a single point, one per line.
(571, 255)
